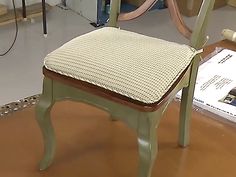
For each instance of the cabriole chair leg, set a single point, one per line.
(147, 143)
(43, 118)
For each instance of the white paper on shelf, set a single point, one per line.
(216, 78)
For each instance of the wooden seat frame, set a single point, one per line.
(143, 118)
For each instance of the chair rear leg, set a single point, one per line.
(43, 118)
(186, 105)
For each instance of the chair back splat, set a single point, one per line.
(197, 37)
(131, 76)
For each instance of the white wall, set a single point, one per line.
(86, 8)
(8, 3)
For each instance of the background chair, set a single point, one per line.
(132, 76)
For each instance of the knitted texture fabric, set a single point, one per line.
(134, 65)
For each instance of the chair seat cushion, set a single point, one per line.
(136, 66)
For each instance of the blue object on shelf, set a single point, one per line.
(103, 13)
(159, 5)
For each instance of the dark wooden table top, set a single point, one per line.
(224, 44)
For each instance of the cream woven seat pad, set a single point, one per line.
(137, 66)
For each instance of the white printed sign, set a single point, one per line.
(215, 88)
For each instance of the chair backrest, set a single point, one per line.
(197, 37)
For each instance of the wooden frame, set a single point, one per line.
(143, 118)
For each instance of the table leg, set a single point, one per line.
(44, 18)
(23, 9)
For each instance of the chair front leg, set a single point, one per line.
(186, 104)
(43, 118)
(147, 143)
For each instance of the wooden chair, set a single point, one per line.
(132, 76)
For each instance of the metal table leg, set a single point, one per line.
(44, 18)
(23, 9)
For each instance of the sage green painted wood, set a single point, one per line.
(186, 104)
(114, 13)
(147, 141)
(56, 91)
(43, 109)
(198, 37)
(144, 123)
(118, 111)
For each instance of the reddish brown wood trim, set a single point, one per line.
(177, 19)
(224, 44)
(138, 12)
(96, 90)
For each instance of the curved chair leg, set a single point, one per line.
(186, 105)
(147, 142)
(43, 118)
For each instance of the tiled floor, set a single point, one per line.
(20, 70)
